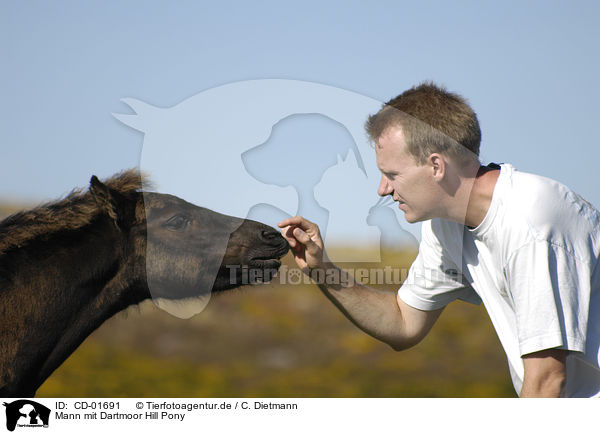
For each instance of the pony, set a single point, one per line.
(68, 266)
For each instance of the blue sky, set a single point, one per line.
(529, 70)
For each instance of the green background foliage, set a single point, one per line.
(280, 341)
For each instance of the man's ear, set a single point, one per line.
(110, 201)
(438, 166)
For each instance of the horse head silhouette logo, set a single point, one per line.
(265, 150)
(25, 412)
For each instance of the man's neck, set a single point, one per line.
(480, 197)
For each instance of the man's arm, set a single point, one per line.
(378, 313)
(545, 374)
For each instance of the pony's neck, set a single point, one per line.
(59, 292)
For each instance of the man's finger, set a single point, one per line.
(306, 240)
(290, 221)
(299, 221)
(286, 232)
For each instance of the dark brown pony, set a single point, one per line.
(67, 266)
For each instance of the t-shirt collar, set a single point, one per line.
(487, 221)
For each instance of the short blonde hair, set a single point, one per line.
(432, 120)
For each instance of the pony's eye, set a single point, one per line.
(176, 222)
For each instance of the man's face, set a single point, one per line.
(409, 184)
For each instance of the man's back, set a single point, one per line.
(532, 261)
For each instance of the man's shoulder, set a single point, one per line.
(546, 206)
(445, 232)
(531, 185)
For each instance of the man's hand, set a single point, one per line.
(305, 242)
(545, 374)
(378, 313)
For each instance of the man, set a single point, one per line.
(525, 245)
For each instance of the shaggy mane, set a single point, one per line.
(75, 211)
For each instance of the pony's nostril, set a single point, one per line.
(270, 234)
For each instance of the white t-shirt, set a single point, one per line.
(532, 261)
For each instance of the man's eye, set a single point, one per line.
(176, 222)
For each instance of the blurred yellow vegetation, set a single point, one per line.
(279, 340)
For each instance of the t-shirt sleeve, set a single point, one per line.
(550, 291)
(434, 280)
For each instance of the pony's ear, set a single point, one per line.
(107, 199)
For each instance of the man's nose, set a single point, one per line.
(384, 187)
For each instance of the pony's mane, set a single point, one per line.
(75, 211)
